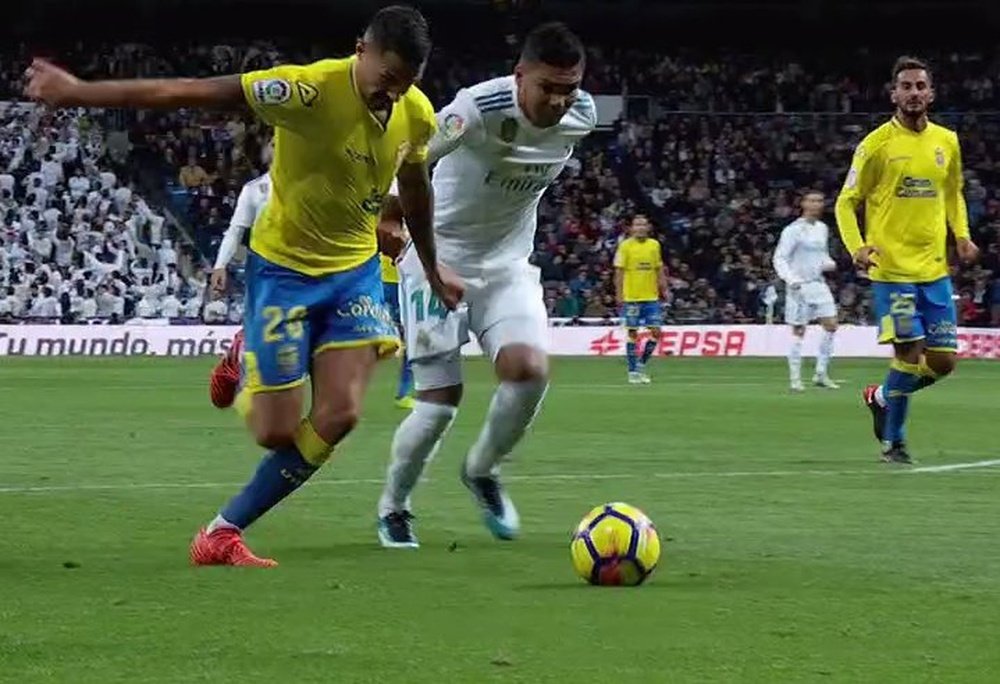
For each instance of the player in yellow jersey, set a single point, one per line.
(640, 281)
(392, 231)
(907, 174)
(343, 129)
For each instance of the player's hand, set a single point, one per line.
(447, 286)
(967, 250)
(391, 238)
(865, 257)
(219, 281)
(47, 83)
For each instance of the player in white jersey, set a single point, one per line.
(800, 259)
(224, 380)
(501, 144)
(249, 205)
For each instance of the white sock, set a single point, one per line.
(880, 397)
(825, 352)
(514, 407)
(218, 522)
(795, 360)
(416, 441)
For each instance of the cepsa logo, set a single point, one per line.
(677, 343)
(979, 345)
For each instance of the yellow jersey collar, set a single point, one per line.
(905, 129)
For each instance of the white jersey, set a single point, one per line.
(494, 168)
(802, 253)
(249, 205)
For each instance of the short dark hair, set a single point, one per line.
(812, 191)
(553, 43)
(907, 62)
(403, 30)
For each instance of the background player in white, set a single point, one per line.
(225, 377)
(249, 204)
(801, 257)
(501, 143)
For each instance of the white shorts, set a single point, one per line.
(500, 308)
(812, 301)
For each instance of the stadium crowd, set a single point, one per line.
(715, 157)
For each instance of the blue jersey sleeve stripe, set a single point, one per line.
(494, 96)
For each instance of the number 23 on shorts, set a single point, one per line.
(275, 317)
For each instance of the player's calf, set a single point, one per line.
(821, 377)
(414, 444)
(523, 372)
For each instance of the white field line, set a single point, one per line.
(948, 467)
(135, 486)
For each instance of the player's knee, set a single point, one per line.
(522, 363)
(274, 434)
(799, 330)
(333, 421)
(444, 396)
(830, 326)
(274, 419)
(942, 364)
(633, 334)
(908, 352)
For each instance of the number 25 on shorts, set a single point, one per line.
(434, 306)
(275, 316)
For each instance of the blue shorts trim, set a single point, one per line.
(390, 293)
(642, 314)
(907, 312)
(291, 316)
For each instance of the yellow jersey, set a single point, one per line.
(640, 262)
(333, 163)
(911, 187)
(389, 272)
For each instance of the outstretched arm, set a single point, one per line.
(416, 199)
(56, 87)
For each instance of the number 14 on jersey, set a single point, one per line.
(434, 306)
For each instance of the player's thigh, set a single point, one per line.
(352, 330)
(430, 330)
(276, 353)
(796, 311)
(354, 313)
(899, 321)
(340, 378)
(510, 312)
(823, 307)
(438, 379)
(936, 305)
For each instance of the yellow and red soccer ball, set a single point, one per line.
(615, 544)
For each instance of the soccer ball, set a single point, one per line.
(615, 544)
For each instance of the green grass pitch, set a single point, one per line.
(790, 553)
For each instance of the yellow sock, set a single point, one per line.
(313, 448)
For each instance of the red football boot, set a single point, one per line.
(225, 379)
(225, 546)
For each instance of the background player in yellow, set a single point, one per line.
(640, 280)
(907, 174)
(393, 234)
(344, 128)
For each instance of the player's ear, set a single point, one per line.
(359, 47)
(518, 72)
(930, 95)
